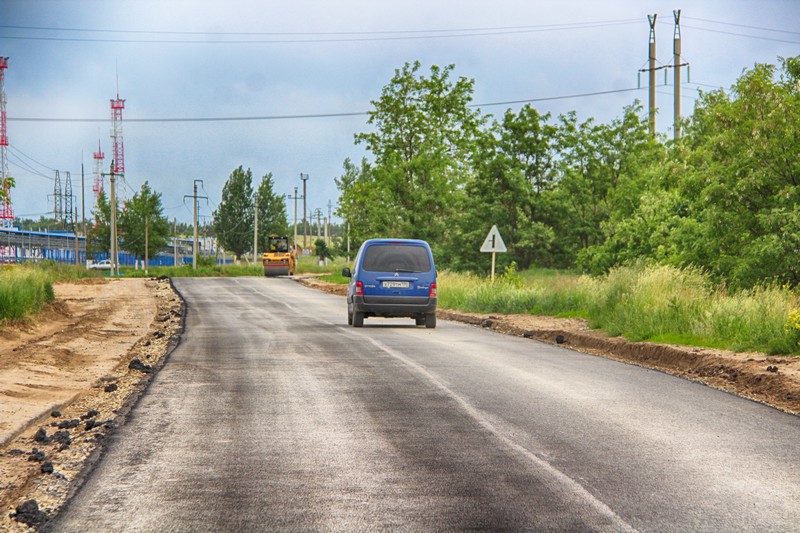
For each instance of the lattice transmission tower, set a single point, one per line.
(117, 105)
(6, 212)
(98, 185)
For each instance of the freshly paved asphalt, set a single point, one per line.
(273, 414)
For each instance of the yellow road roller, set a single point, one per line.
(279, 259)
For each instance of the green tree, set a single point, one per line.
(742, 175)
(233, 218)
(496, 195)
(322, 250)
(6, 185)
(421, 140)
(603, 178)
(271, 211)
(360, 202)
(144, 213)
(99, 234)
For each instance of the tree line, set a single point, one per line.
(571, 193)
(233, 220)
(232, 225)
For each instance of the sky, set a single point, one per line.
(305, 72)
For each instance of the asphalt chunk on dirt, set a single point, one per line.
(69, 372)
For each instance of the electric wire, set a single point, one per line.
(742, 25)
(723, 32)
(310, 115)
(19, 152)
(321, 37)
(374, 32)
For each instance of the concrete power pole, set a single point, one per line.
(295, 198)
(328, 223)
(652, 68)
(83, 201)
(676, 50)
(194, 198)
(113, 199)
(255, 234)
(194, 221)
(304, 177)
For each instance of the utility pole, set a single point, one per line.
(676, 64)
(146, 241)
(255, 234)
(76, 237)
(295, 198)
(194, 198)
(194, 221)
(328, 223)
(175, 241)
(304, 177)
(652, 69)
(113, 199)
(83, 201)
(318, 212)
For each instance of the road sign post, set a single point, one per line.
(494, 244)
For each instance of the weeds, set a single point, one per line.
(24, 291)
(652, 303)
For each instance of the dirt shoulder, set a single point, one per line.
(68, 378)
(772, 380)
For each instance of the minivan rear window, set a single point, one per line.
(396, 258)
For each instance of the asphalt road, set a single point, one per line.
(273, 414)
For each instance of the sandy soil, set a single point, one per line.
(70, 376)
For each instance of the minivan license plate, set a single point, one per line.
(395, 284)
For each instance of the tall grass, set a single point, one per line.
(529, 292)
(23, 292)
(655, 303)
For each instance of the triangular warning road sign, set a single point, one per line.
(494, 242)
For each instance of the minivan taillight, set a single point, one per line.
(432, 294)
(359, 288)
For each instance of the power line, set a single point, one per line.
(308, 116)
(743, 25)
(341, 37)
(200, 119)
(17, 151)
(742, 35)
(568, 25)
(562, 97)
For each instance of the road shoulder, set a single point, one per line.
(69, 378)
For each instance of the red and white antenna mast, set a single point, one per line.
(6, 212)
(117, 106)
(97, 188)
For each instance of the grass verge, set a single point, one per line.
(643, 303)
(24, 291)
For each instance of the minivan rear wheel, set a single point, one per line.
(430, 320)
(358, 319)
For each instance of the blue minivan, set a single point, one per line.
(392, 278)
